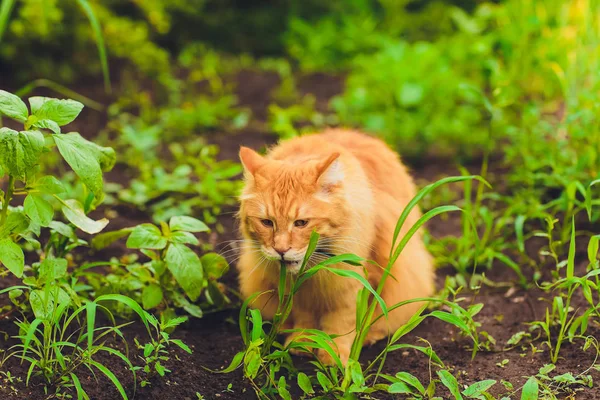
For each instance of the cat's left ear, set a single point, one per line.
(330, 170)
(251, 161)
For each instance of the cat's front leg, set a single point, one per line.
(341, 322)
(302, 319)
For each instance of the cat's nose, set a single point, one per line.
(282, 252)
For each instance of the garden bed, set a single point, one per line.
(215, 339)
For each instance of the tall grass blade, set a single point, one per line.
(109, 374)
(5, 9)
(89, 11)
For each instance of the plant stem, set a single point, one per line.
(7, 199)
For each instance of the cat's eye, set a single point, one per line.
(267, 222)
(299, 223)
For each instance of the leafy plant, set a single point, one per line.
(155, 352)
(20, 153)
(173, 267)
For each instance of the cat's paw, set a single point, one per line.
(374, 336)
(297, 351)
(327, 359)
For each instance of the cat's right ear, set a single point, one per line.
(251, 161)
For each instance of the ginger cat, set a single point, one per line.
(350, 188)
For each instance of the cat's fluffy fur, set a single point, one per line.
(351, 189)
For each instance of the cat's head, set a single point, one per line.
(282, 203)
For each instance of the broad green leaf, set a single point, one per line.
(12, 257)
(49, 185)
(478, 388)
(411, 380)
(152, 295)
(20, 151)
(304, 383)
(73, 211)
(187, 224)
(52, 268)
(450, 382)
(186, 267)
(60, 111)
(324, 381)
(12, 106)
(282, 389)
(530, 390)
(184, 238)
(215, 265)
(87, 159)
(38, 209)
(42, 304)
(47, 124)
(15, 223)
(105, 239)
(400, 388)
(146, 236)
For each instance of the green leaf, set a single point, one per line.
(12, 106)
(187, 224)
(530, 390)
(61, 112)
(411, 380)
(42, 304)
(73, 211)
(324, 381)
(282, 389)
(152, 295)
(186, 267)
(38, 209)
(11, 255)
(478, 388)
(400, 388)
(592, 249)
(87, 159)
(235, 363)
(451, 319)
(15, 223)
(52, 268)
(304, 383)
(105, 239)
(47, 124)
(184, 238)
(181, 345)
(450, 382)
(146, 236)
(20, 151)
(49, 185)
(215, 265)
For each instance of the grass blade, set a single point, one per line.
(110, 376)
(571, 258)
(129, 302)
(91, 321)
(81, 394)
(89, 11)
(5, 10)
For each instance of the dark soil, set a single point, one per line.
(215, 339)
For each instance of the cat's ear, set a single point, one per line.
(330, 170)
(251, 161)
